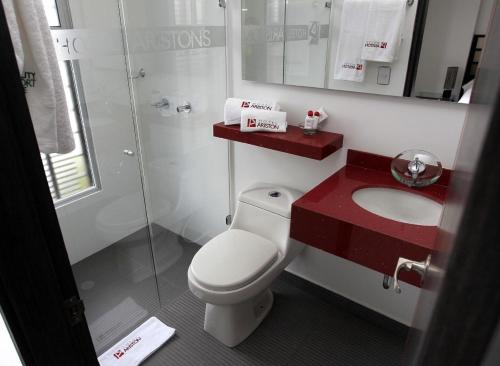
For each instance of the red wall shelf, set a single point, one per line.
(317, 146)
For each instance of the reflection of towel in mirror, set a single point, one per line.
(348, 63)
(383, 33)
(38, 65)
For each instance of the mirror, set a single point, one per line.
(413, 48)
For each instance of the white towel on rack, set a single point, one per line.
(384, 30)
(348, 63)
(38, 65)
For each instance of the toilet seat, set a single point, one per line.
(232, 260)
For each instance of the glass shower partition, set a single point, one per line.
(97, 188)
(147, 183)
(177, 59)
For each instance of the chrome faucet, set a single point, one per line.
(409, 265)
(416, 167)
(422, 268)
(408, 166)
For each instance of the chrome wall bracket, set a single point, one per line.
(185, 107)
(163, 103)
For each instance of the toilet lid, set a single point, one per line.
(232, 260)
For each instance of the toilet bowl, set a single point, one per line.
(232, 273)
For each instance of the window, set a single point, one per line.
(70, 175)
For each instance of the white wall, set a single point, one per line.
(377, 124)
(485, 13)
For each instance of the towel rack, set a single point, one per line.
(410, 2)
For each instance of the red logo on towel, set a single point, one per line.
(359, 67)
(245, 105)
(376, 44)
(252, 122)
(118, 354)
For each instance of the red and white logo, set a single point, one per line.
(245, 105)
(359, 67)
(118, 354)
(252, 122)
(383, 44)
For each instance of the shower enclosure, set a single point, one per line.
(144, 82)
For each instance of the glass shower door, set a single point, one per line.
(177, 53)
(97, 188)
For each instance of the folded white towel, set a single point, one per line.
(38, 65)
(384, 30)
(348, 63)
(234, 106)
(253, 120)
(138, 345)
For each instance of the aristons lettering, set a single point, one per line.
(120, 353)
(254, 105)
(270, 125)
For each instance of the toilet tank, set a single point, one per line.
(265, 210)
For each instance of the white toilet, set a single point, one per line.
(232, 273)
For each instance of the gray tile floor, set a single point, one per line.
(301, 329)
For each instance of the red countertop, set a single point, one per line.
(327, 218)
(293, 141)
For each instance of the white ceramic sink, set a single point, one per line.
(399, 205)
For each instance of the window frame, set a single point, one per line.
(77, 90)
